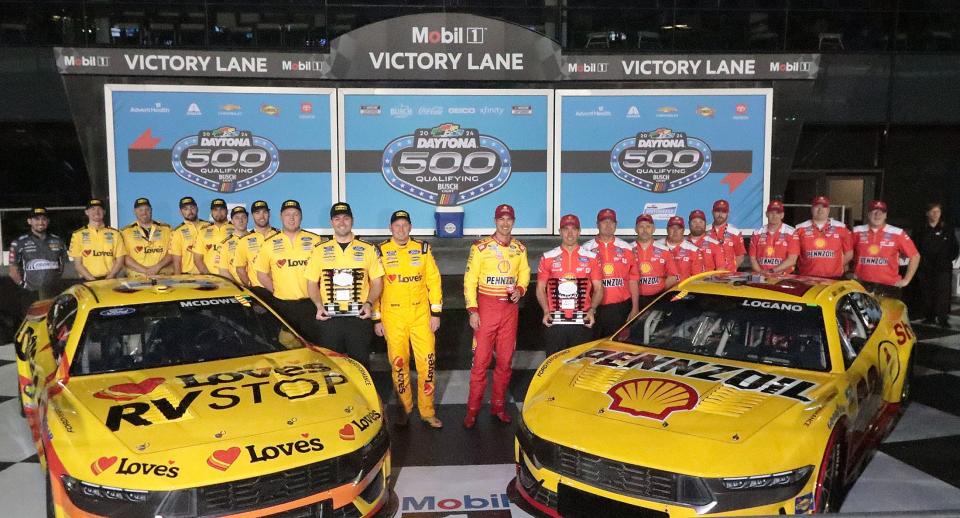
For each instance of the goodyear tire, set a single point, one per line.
(828, 493)
(51, 512)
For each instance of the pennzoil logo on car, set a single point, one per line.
(654, 398)
(225, 159)
(661, 160)
(446, 164)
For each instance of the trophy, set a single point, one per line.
(342, 287)
(568, 299)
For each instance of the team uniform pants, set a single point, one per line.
(935, 294)
(610, 317)
(496, 336)
(301, 314)
(402, 333)
(348, 335)
(563, 336)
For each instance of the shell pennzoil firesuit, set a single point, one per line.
(411, 295)
(494, 271)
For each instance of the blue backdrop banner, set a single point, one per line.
(429, 150)
(663, 152)
(240, 144)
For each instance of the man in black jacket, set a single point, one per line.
(938, 246)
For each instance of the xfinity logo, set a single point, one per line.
(472, 35)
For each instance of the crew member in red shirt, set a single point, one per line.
(826, 246)
(731, 249)
(619, 268)
(655, 263)
(578, 275)
(877, 248)
(708, 247)
(686, 256)
(772, 248)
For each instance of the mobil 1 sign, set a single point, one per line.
(429, 150)
(664, 153)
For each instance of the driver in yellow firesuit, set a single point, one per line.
(408, 314)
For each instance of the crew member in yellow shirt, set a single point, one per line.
(249, 247)
(280, 266)
(184, 237)
(147, 243)
(227, 249)
(96, 249)
(210, 237)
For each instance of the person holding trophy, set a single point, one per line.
(569, 289)
(344, 280)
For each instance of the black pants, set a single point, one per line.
(883, 290)
(610, 317)
(934, 294)
(301, 314)
(563, 336)
(349, 335)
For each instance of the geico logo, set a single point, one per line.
(190, 380)
(367, 420)
(128, 467)
(766, 304)
(286, 449)
(735, 377)
(430, 503)
(409, 278)
(226, 397)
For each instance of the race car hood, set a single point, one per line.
(684, 394)
(176, 407)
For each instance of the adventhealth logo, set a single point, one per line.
(473, 35)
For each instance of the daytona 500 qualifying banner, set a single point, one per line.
(664, 152)
(237, 143)
(420, 150)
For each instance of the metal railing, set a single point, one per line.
(5, 211)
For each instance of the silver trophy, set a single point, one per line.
(568, 300)
(343, 287)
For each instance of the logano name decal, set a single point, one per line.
(226, 390)
(735, 377)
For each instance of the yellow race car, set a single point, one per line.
(186, 397)
(731, 394)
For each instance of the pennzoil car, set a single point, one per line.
(187, 396)
(732, 394)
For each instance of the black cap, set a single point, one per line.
(143, 201)
(400, 214)
(95, 202)
(218, 203)
(38, 211)
(340, 208)
(259, 205)
(290, 204)
(187, 200)
(237, 210)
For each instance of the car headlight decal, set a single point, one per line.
(773, 480)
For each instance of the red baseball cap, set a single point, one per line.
(820, 200)
(504, 210)
(675, 220)
(721, 206)
(644, 217)
(697, 214)
(606, 214)
(570, 220)
(775, 206)
(877, 205)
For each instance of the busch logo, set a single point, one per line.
(225, 159)
(446, 164)
(660, 160)
(455, 35)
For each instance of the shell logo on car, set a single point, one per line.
(653, 398)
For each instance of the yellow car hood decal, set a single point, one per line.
(708, 398)
(182, 406)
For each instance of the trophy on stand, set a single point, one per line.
(568, 300)
(342, 287)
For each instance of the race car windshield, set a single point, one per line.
(176, 333)
(760, 331)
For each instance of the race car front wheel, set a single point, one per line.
(829, 490)
(51, 512)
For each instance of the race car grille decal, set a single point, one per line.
(619, 477)
(292, 484)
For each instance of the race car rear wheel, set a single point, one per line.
(51, 512)
(828, 493)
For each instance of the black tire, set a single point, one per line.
(51, 512)
(829, 490)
